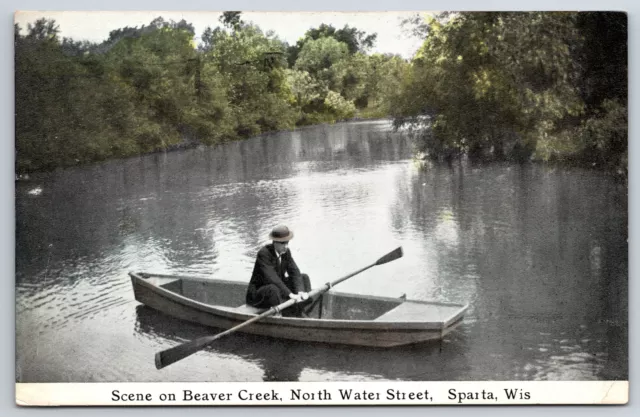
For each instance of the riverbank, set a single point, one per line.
(420, 158)
(191, 142)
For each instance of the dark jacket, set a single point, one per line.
(266, 271)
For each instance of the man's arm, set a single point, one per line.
(294, 274)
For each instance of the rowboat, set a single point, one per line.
(335, 317)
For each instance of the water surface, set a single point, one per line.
(539, 253)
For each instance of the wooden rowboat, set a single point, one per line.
(336, 317)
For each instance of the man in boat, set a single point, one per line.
(276, 277)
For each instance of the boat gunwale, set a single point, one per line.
(227, 312)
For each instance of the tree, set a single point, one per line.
(604, 87)
(148, 88)
(603, 58)
(352, 75)
(304, 88)
(339, 106)
(383, 82)
(67, 110)
(320, 55)
(357, 41)
(494, 81)
(231, 20)
(252, 66)
(548, 86)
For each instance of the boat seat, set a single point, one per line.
(247, 309)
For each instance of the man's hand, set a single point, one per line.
(299, 297)
(296, 297)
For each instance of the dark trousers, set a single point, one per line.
(270, 295)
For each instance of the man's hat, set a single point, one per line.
(281, 233)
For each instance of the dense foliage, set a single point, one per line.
(520, 86)
(152, 88)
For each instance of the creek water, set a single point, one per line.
(540, 254)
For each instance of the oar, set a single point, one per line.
(176, 353)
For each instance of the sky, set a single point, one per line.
(289, 26)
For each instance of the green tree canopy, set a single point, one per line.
(496, 82)
(547, 86)
(320, 55)
(356, 40)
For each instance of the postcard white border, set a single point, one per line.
(323, 393)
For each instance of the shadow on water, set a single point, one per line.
(287, 360)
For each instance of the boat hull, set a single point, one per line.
(340, 331)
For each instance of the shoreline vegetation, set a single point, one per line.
(516, 86)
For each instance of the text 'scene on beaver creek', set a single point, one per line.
(338, 395)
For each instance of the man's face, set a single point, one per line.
(281, 247)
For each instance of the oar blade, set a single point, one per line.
(176, 353)
(391, 256)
